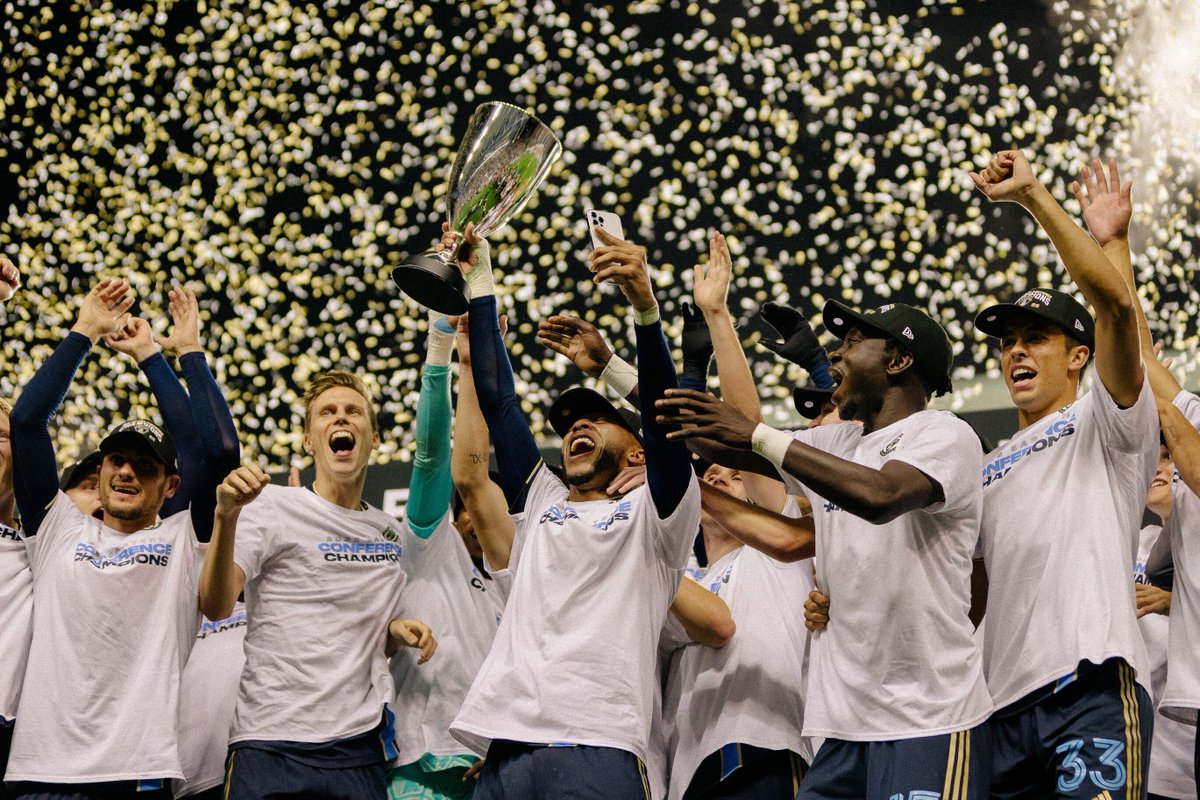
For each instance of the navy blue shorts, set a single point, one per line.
(1090, 738)
(118, 790)
(254, 774)
(519, 771)
(951, 766)
(745, 772)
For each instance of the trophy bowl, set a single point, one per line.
(503, 157)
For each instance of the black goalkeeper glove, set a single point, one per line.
(797, 341)
(696, 345)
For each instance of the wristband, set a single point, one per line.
(438, 345)
(647, 317)
(480, 280)
(620, 376)
(771, 444)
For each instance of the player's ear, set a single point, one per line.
(308, 445)
(635, 457)
(899, 361)
(1078, 357)
(172, 486)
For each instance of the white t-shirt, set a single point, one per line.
(322, 583)
(114, 618)
(1062, 508)
(1181, 697)
(574, 658)
(898, 659)
(16, 598)
(1171, 772)
(748, 691)
(447, 592)
(209, 693)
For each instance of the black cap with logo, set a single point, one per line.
(147, 433)
(1058, 307)
(914, 330)
(810, 400)
(81, 469)
(580, 402)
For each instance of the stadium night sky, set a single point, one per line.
(281, 156)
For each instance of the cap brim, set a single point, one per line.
(810, 400)
(115, 440)
(579, 402)
(80, 469)
(839, 318)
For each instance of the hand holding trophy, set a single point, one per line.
(503, 158)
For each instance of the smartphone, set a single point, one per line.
(603, 219)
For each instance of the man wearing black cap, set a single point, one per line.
(564, 702)
(1063, 501)
(115, 606)
(896, 680)
(81, 482)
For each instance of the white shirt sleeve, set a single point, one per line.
(949, 454)
(1125, 430)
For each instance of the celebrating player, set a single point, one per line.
(1065, 662)
(322, 578)
(593, 574)
(100, 698)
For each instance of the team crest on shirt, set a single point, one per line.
(389, 534)
(620, 514)
(890, 447)
(558, 514)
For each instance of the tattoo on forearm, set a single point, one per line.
(478, 458)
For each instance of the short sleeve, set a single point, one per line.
(1125, 430)
(947, 451)
(1189, 405)
(62, 519)
(545, 489)
(250, 547)
(837, 439)
(677, 532)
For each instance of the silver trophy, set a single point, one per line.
(503, 158)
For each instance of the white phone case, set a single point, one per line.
(606, 220)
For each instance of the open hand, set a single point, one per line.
(627, 480)
(578, 340)
(1151, 600)
(185, 322)
(1107, 205)
(710, 283)
(104, 309)
(705, 416)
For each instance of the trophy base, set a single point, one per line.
(433, 281)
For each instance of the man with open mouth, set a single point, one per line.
(100, 698)
(1063, 501)
(323, 580)
(564, 703)
(895, 680)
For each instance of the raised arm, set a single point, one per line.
(711, 291)
(1009, 178)
(782, 538)
(431, 488)
(668, 464)
(517, 454)
(216, 435)
(35, 471)
(135, 340)
(582, 343)
(1107, 208)
(483, 499)
(221, 580)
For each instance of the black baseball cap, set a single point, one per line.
(810, 400)
(914, 330)
(1059, 307)
(81, 469)
(580, 402)
(147, 433)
